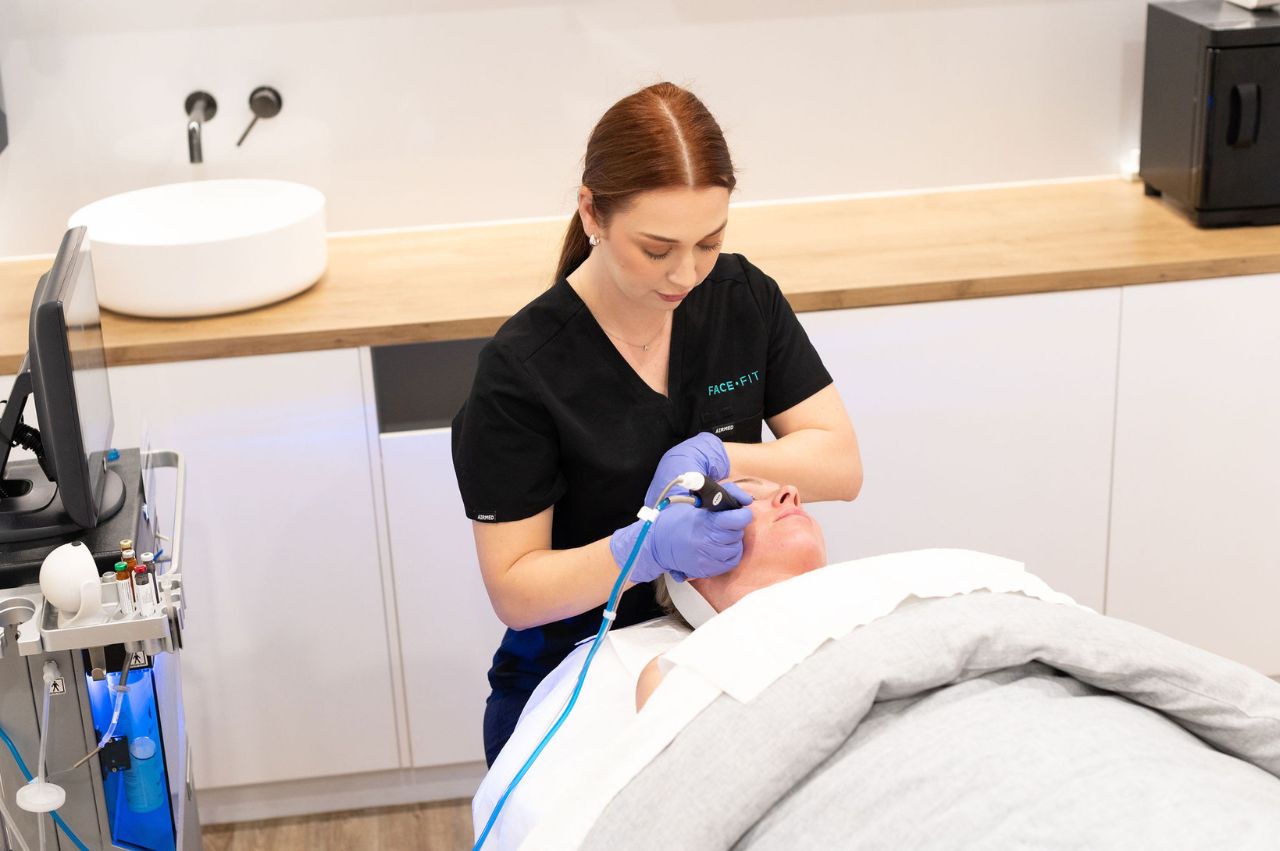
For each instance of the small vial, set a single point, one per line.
(130, 562)
(146, 590)
(153, 571)
(126, 551)
(124, 589)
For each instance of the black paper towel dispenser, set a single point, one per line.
(4, 125)
(1211, 111)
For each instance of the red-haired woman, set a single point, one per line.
(651, 355)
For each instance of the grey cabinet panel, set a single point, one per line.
(422, 385)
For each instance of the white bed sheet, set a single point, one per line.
(740, 651)
(605, 707)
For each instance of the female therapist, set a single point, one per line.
(651, 355)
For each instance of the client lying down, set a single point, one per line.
(781, 541)
(940, 699)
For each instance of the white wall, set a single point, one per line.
(408, 113)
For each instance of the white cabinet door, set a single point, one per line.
(286, 667)
(448, 631)
(984, 424)
(1195, 539)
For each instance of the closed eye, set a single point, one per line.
(667, 253)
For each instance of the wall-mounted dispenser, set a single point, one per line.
(4, 125)
(1211, 93)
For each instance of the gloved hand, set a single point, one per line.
(685, 541)
(703, 453)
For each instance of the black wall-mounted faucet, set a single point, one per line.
(264, 102)
(200, 107)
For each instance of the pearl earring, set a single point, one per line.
(594, 240)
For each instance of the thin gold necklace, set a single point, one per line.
(644, 346)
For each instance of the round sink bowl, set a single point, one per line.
(207, 247)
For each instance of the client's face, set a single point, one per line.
(781, 541)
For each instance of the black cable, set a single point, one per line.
(28, 438)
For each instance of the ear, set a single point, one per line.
(587, 211)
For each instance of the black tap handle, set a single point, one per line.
(265, 102)
(713, 497)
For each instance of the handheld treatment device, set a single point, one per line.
(706, 493)
(703, 493)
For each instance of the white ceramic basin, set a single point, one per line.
(213, 246)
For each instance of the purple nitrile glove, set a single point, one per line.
(685, 541)
(703, 453)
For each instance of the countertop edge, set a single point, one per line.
(802, 302)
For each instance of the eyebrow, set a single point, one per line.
(677, 242)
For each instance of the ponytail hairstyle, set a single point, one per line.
(660, 137)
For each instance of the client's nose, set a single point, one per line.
(787, 495)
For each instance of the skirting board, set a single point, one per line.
(334, 794)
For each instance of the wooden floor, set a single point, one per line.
(441, 826)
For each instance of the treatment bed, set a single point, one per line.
(937, 699)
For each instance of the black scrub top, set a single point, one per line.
(556, 416)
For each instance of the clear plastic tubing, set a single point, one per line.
(50, 674)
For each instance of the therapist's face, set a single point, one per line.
(665, 243)
(780, 542)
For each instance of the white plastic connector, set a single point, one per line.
(50, 672)
(693, 481)
(610, 616)
(40, 796)
(647, 513)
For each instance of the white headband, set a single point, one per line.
(691, 605)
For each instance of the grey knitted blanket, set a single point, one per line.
(978, 721)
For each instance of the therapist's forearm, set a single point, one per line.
(550, 585)
(823, 465)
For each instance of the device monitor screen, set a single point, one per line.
(69, 377)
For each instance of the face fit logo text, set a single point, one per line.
(733, 384)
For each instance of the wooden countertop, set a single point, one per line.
(442, 284)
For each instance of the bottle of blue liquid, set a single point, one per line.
(144, 781)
